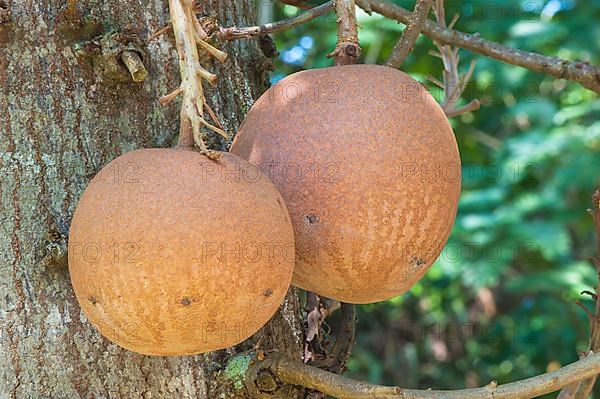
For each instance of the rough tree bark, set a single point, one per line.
(66, 109)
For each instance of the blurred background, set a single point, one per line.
(500, 301)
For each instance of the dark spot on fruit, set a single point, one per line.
(268, 293)
(416, 261)
(93, 300)
(186, 301)
(312, 218)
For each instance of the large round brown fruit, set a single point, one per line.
(370, 171)
(172, 253)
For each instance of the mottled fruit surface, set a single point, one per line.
(172, 253)
(370, 171)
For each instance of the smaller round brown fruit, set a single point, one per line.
(369, 168)
(172, 253)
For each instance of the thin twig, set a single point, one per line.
(198, 29)
(585, 387)
(212, 113)
(582, 72)
(272, 27)
(590, 315)
(453, 83)
(135, 65)
(569, 391)
(410, 34)
(167, 99)
(347, 50)
(160, 32)
(465, 109)
(215, 52)
(297, 373)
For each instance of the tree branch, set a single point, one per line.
(410, 34)
(578, 71)
(581, 72)
(241, 33)
(347, 51)
(583, 390)
(298, 373)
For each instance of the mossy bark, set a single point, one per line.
(66, 109)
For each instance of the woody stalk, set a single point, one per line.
(189, 34)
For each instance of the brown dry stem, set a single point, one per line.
(160, 32)
(297, 373)
(453, 83)
(246, 32)
(583, 389)
(577, 71)
(410, 34)
(347, 51)
(188, 36)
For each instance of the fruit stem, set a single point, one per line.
(347, 50)
(187, 37)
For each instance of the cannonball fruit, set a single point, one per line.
(369, 168)
(172, 253)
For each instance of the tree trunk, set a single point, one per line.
(67, 107)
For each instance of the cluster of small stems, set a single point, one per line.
(189, 34)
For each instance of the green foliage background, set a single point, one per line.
(499, 304)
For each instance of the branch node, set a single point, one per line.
(188, 34)
(215, 52)
(347, 51)
(135, 65)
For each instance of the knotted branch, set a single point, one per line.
(347, 51)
